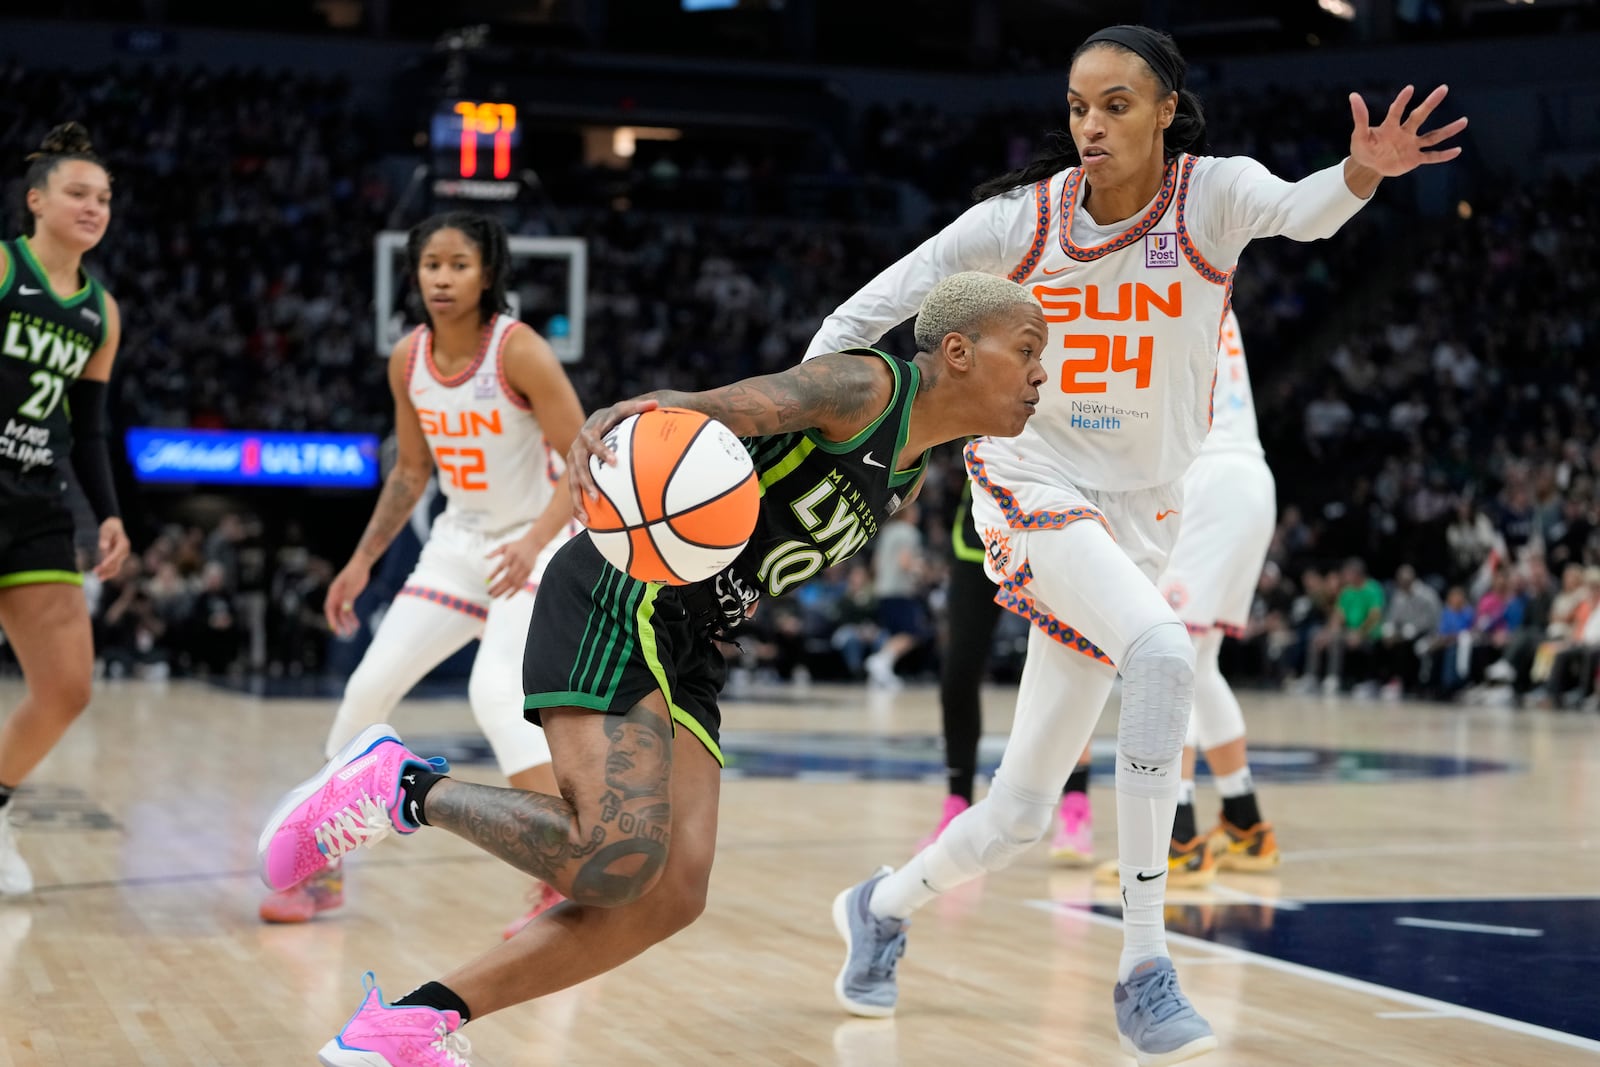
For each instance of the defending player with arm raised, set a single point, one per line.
(625, 676)
(1129, 238)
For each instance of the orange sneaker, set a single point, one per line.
(543, 897)
(323, 891)
(1191, 864)
(1255, 849)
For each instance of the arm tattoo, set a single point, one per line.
(831, 391)
(401, 491)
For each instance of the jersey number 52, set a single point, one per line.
(460, 465)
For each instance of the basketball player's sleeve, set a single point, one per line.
(1237, 200)
(984, 238)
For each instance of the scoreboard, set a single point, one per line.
(475, 147)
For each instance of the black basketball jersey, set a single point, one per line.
(821, 500)
(45, 342)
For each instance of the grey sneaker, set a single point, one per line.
(15, 877)
(866, 983)
(1155, 1020)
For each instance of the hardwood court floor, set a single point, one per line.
(142, 946)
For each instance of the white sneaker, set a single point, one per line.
(880, 672)
(15, 877)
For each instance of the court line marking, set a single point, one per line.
(1357, 985)
(1467, 928)
(1415, 1015)
(1441, 898)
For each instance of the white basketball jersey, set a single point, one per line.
(1233, 420)
(1135, 312)
(486, 443)
(1135, 308)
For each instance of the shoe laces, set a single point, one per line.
(456, 1047)
(1160, 998)
(887, 955)
(365, 822)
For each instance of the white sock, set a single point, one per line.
(1237, 784)
(955, 858)
(1144, 832)
(1186, 792)
(905, 890)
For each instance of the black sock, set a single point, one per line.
(5, 794)
(416, 781)
(1183, 827)
(961, 782)
(1243, 811)
(1078, 782)
(435, 995)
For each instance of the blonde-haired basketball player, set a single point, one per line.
(1129, 241)
(626, 675)
(478, 395)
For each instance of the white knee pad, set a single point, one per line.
(1157, 694)
(998, 829)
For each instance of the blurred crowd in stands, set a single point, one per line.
(1420, 386)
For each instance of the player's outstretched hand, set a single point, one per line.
(1397, 146)
(590, 443)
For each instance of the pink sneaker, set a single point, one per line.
(543, 897)
(953, 806)
(379, 1035)
(1073, 845)
(353, 801)
(323, 891)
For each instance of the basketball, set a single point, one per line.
(681, 501)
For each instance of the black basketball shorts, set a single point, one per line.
(604, 641)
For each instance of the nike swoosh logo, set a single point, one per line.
(28, 290)
(1152, 878)
(1047, 272)
(1161, 516)
(416, 815)
(869, 461)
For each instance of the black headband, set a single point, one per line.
(1147, 44)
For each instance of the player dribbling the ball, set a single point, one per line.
(624, 675)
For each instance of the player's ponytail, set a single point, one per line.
(65, 142)
(1060, 153)
(494, 247)
(1188, 130)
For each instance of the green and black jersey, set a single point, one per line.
(821, 500)
(601, 640)
(45, 343)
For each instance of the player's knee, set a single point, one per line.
(624, 855)
(1003, 826)
(680, 901)
(1157, 693)
(65, 695)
